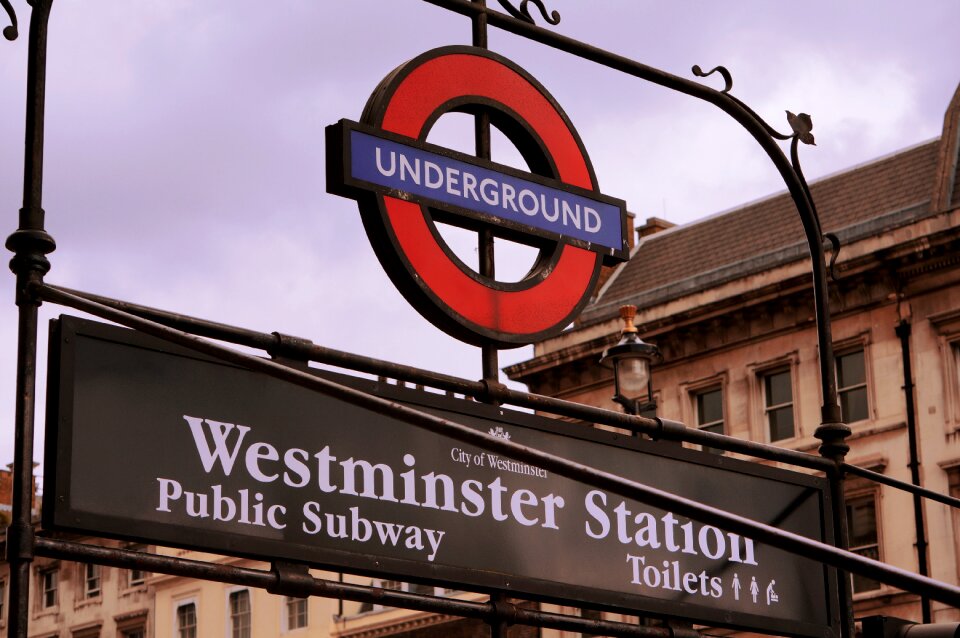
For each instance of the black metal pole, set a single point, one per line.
(30, 245)
(489, 355)
(490, 364)
(903, 330)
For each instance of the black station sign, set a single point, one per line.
(151, 442)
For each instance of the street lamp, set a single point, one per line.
(630, 360)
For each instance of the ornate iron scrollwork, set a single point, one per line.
(10, 32)
(722, 70)
(523, 13)
(835, 246)
(801, 125)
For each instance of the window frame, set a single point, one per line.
(288, 613)
(759, 410)
(952, 469)
(129, 625)
(873, 495)
(42, 590)
(132, 582)
(722, 421)
(655, 404)
(865, 384)
(769, 407)
(860, 341)
(688, 400)
(233, 630)
(85, 593)
(87, 632)
(180, 604)
(946, 326)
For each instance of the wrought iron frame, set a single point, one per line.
(30, 244)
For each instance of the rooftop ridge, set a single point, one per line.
(772, 196)
(845, 198)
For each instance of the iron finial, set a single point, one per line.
(10, 32)
(722, 70)
(802, 125)
(523, 13)
(628, 313)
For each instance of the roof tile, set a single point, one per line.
(889, 184)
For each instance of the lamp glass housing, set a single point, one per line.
(633, 377)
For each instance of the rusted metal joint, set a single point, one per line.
(503, 612)
(292, 579)
(30, 247)
(30, 292)
(833, 441)
(668, 430)
(20, 542)
(683, 632)
(29, 262)
(289, 348)
(493, 391)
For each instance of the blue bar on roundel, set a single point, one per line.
(445, 180)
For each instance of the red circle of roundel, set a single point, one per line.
(473, 308)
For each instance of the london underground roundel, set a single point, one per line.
(404, 185)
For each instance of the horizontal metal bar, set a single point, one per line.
(262, 579)
(268, 341)
(901, 485)
(477, 389)
(581, 49)
(782, 539)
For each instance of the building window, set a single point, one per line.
(778, 405)
(649, 410)
(953, 477)
(240, 614)
(852, 386)
(136, 576)
(862, 528)
(3, 600)
(296, 613)
(955, 351)
(709, 407)
(187, 620)
(49, 580)
(134, 632)
(91, 580)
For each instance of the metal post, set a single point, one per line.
(498, 625)
(490, 359)
(903, 331)
(30, 245)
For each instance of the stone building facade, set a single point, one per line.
(80, 600)
(728, 301)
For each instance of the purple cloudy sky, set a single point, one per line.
(185, 154)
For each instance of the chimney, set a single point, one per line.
(653, 225)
